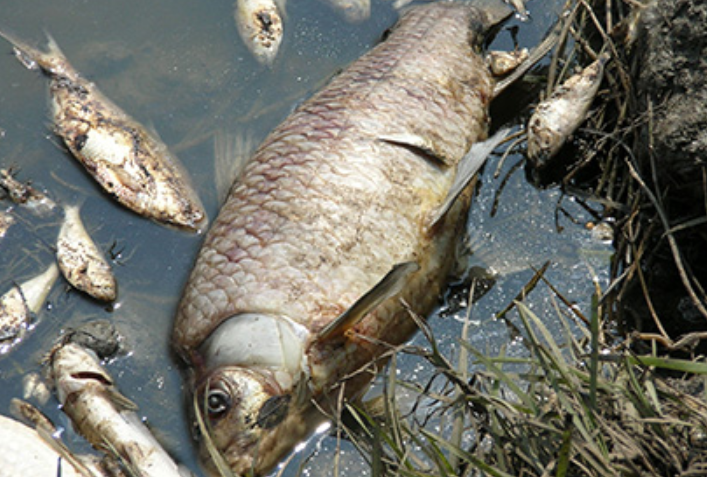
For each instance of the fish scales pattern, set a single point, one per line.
(324, 208)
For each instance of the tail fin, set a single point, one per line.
(52, 61)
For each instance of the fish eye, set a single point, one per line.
(218, 402)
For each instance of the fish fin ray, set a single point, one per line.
(390, 285)
(467, 167)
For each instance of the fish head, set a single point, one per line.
(245, 423)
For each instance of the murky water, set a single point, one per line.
(179, 66)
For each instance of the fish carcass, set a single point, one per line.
(130, 163)
(37, 202)
(345, 211)
(558, 117)
(81, 261)
(259, 24)
(105, 417)
(25, 453)
(19, 305)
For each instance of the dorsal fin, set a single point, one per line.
(468, 166)
(390, 285)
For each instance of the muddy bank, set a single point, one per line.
(669, 68)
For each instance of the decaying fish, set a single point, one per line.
(260, 26)
(503, 62)
(349, 207)
(556, 118)
(25, 195)
(6, 221)
(85, 465)
(81, 262)
(34, 387)
(26, 453)
(354, 11)
(104, 416)
(19, 305)
(129, 162)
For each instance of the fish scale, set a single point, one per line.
(328, 209)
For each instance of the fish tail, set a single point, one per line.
(54, 50)
(52, 61)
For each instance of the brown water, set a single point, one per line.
(179, 66)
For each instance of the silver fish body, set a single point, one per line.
(103, 416)
(130, 163)
(558, 117)
(25, 453)
(338, 199)
(19, 305)
(80, 260)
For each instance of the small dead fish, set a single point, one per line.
(19, 305)
(503, 62)
(81, 262)
(559, 116)
(354, 11)
(85, 465)
(26, 453)
(34, 387)
(130, 163)
(25, 195)
(105, 417)
(6, 221)
(260, 26)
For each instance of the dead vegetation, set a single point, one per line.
(579, 409)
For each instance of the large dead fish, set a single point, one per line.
(347, 209)
(129, 162)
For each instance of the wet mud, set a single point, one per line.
(670, 73)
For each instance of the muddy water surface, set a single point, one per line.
(179, 67)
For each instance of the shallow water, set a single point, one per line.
(179, 66)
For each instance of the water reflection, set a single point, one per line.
(179, 67)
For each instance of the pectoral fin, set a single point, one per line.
(467, 167)
(390, 285)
